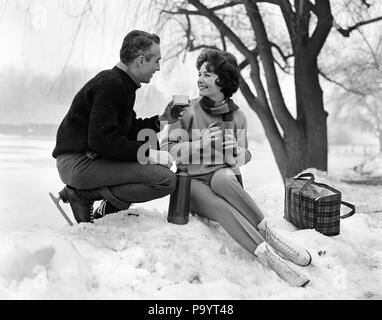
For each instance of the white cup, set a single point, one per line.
(180, 99)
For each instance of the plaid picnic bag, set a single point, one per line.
(312, 205)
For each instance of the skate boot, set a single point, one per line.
(81, 202)
(289, 250)
(286, 272)
(105, 208)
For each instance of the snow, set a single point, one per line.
(372, 167)
(125, 256)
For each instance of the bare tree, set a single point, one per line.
(249, 27)
(298, 142)
(359, 76)
(370, 117)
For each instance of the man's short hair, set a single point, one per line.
(225, 66)
(137, 43)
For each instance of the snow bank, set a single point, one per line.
(371, 167)
(42, 265)
(123, 256)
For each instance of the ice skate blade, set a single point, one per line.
(56, 201)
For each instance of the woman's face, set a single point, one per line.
(207, 84)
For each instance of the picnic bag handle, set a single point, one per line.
(308, 174)
(306, 185)
(349, 205)
(308, 182)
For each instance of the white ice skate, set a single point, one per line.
(291, 275)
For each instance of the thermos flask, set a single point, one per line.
(179, 205)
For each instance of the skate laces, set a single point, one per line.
(91, 212)
(275, 259)
(289, 248)
(102, 208)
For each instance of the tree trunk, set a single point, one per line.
(308, 145)
(305, 139)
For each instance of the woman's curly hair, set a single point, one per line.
(225, 66)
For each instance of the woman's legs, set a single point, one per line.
(207, 204)
(226, 186)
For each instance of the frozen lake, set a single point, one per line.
(28, 173)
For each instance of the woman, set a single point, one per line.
(210, 140)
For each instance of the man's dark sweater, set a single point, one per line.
(101, 119)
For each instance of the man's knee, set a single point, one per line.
(171, 180)
(166, 179)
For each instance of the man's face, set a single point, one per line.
(148, 68)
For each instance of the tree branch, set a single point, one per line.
(284, 68)
(282, 113)
(245, 62)
(226, 5)
(190, 41)
(367, 5)
(324, 24)
(346, 32)
(224, 44)
(222, 27)
(252, 100)
(87, 7)
(281, 52)
(265, 115)
(202, 46)
(290, 19)
(269, 124)
(197, 13)
(181, 12)
(326, 77)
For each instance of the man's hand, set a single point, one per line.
(160, 157)
(167, 117)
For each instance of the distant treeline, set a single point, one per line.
(30, 97)
(29, 129)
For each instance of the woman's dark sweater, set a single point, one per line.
(101, 119)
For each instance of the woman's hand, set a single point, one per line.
(231, 149)
(230, 142)
(212, 133)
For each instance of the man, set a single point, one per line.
(97, 146)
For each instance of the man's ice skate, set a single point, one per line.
(56, 201)
(104, 209)
(81, 202)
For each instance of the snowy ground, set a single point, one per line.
(127, 257)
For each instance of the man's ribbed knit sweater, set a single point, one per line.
(101, 119)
